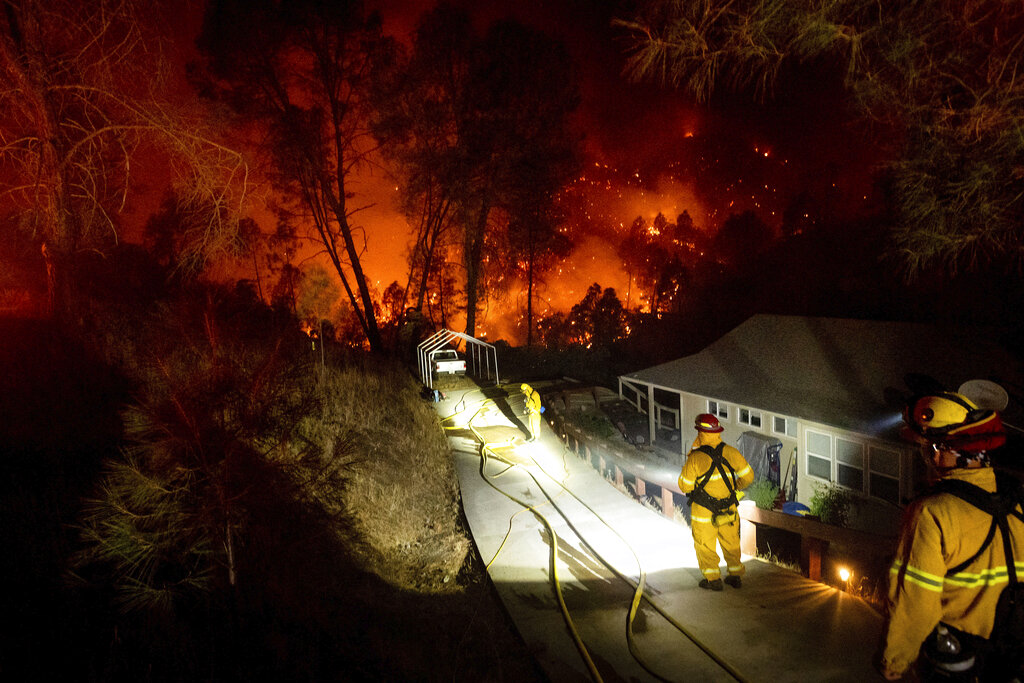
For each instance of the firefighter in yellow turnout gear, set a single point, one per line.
(946, 578)
(714, 471)
(533, 409)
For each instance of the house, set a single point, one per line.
(830, 390)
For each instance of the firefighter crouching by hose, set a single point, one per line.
(953, 565)
(711, 476)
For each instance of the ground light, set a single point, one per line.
(844, 576)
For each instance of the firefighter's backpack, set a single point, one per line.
(728, 474)
(1007, 639)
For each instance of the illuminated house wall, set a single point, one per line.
(830, 387)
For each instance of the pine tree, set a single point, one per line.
(940, 77)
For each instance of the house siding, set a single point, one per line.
(843, 378)
(867, 511)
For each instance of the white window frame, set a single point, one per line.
(866, 469)
(750, 417)
(862, 467)
(788, 423)
(872, 472)
(831, 457)
(718, 409)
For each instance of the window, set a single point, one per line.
(819, 455)
(784, 425)
(718, 409)
(850, 464)
(874, 470)
(750, 417)
(848, 456)
(884, 477)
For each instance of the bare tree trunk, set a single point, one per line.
(474, 245)
(372, 331)
(256, 267)
(441, 303)
(51, 281)
(432, 237)
(531, 252)
(229, 546)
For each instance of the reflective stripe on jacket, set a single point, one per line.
(941, 531)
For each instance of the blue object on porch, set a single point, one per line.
(795, 508)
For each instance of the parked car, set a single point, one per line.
(448, 362)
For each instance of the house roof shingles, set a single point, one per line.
(833, 371)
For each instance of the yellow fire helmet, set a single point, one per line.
(953, 420)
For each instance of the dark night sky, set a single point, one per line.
(612, 111)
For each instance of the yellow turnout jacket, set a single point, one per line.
(940, 532)
(699, 462)
(533, 402)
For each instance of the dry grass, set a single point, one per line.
(770, 556)
(402, 492)
(436, 615)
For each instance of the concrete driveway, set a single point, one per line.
(778, 627)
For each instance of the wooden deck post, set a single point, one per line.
(668, 505)
(683, 443)
(748, 537)
(811, 550)
(815, 537)
(651, 427)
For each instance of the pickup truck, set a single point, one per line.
(447, 362)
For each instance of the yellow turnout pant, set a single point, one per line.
(534, 424)
(706, 533)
